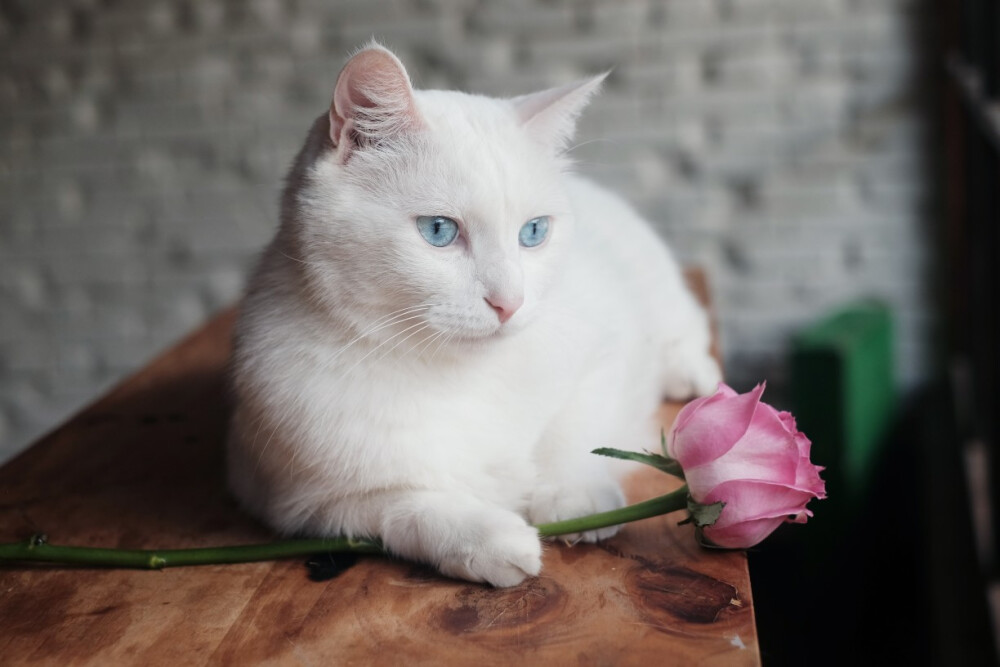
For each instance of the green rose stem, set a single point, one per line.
(671, 502)
(36, 549)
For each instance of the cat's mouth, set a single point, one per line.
(463, 325)
(479, 338)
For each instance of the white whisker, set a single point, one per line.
(300, 261)
(281, 422)
(395, 313)
(591, 141)
(422, 328)
(441, 343)
(386, 341)
(426, 343)
(395, 318)
(260, 425)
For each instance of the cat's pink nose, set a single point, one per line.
(505, 306)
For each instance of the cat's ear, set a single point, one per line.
(550, 115)
(372, 102)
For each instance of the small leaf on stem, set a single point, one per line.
(661, 463)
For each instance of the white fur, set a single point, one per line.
(376, 391)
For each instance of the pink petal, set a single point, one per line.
(742, 535)
(807, 478)
(764, 459)
(766, 452)
(748, 500)
(726, 390)
(788, 419)
(713, 426)
(804, 444)
(683, 417)
(690, 408)
(801, 517)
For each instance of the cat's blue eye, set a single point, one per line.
(534, 231)
(437, 230)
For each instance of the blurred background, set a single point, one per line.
(812, 156)
(776, 143)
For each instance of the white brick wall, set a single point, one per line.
(142, 146)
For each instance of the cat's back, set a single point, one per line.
(617, 249)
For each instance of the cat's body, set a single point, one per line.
(439, 397)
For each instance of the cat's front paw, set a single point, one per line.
(696, 374)
(557, 502)
(503, 551)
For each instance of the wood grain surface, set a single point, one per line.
(143, 468)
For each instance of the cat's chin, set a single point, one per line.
(474, 340)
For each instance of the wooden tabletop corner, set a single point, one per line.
(143, 468)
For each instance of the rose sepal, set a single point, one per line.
(702, 515)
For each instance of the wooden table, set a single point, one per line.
(143, 467)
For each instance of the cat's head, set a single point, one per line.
(435, 213)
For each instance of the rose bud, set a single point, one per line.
(744, 453)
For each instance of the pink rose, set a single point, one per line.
(737, 450)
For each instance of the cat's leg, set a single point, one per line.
(572, 490)
(572, 482)
(689, 371)
(688, 367)
(456, 532)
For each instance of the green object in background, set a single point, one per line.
(843, 395)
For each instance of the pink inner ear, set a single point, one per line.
(371, 76)
(373, 98)
(550, 115)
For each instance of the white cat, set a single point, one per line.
(446, 324)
